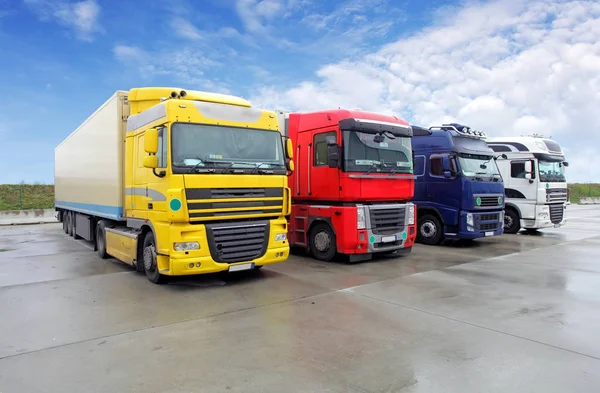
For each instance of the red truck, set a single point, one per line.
(352, 185)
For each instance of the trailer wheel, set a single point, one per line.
(101, 240)
(322, 242)
(430, 230)
(149, 258)
(70, 226)
(512, 223)
(65, 222)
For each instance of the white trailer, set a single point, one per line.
(88, 167)
(535, 184)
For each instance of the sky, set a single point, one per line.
(508, 67)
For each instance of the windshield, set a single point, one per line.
(475, 165)
(209, 148)
(551, 171)
(362, 153)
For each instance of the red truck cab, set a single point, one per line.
(352, 185)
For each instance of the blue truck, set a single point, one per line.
(459, 191)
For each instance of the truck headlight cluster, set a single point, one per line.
(186, 246)
(411, 214)
(360, 217)
(470, 224)
(543, 216)
(280, 237)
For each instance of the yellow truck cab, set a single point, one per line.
(177, 182)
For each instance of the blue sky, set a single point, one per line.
(508, 67)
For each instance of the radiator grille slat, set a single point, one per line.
(387, 221)
(556, 213)
(238, 242)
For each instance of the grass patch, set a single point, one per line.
(26, 196)
(583, 190)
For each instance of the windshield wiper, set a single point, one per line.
(201, 161)
(257, 169)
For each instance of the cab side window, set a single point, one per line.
(517, 170)
(320, 157)
(435, 166)
(162, 148)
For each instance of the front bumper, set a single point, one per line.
(203, 260)
(546, 216)
(485, 224)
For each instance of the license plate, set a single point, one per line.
(388, 239)
(239, 268)
(556, 225)
(489, 233)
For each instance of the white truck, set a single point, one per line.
(535, 185)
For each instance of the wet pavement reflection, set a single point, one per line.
(514, 313)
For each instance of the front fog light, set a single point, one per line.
(186, 246)
(543, 216)
(280, 237)
(411, 214)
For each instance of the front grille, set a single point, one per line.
(488, 227)
(489, 217)
(484, 201)
(237, 242)
(202, 204)
(556, 213)
(387, 221)
(556, 195)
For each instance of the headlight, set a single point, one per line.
(186, 246)
(411, 214)
(470, 219)
(280, 237)
(501, 216)
(543, 216)
(360, 217)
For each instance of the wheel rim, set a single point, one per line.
(322, 241)
(508, 222)
(428, 229)
(150, 258)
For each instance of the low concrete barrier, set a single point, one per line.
(589, 201)
(36, 216)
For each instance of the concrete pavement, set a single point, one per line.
(514, 313)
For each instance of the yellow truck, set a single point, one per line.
(177, 182)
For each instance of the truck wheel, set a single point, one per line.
(430, 230)
(70, 226)
(512, 223)
(322, 242)
(101, 240)
(149, 258)
(65, 222)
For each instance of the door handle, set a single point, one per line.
(431, 195)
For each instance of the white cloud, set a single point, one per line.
(254, 13)
(508, 67)
(185, 29)
(80, 16)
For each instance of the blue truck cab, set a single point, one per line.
(459, 191)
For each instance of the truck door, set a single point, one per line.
(444, 193)
(521, 190)
(324, 181)
(151, 190)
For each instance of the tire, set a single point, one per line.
(512, 222)
(429, 230)
(70, 225)
(322, 242)
(101, 240)
(65, 222)
(149, 260)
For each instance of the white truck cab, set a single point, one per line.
(535, 185)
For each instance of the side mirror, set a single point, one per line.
(447, 174)
(445, 163)
(331, 140)
(289, 149)
(528, 176)
(151, 162)
(151, 141)
(565, 163)
(290, 165)
(333, 155)
(528, 167)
